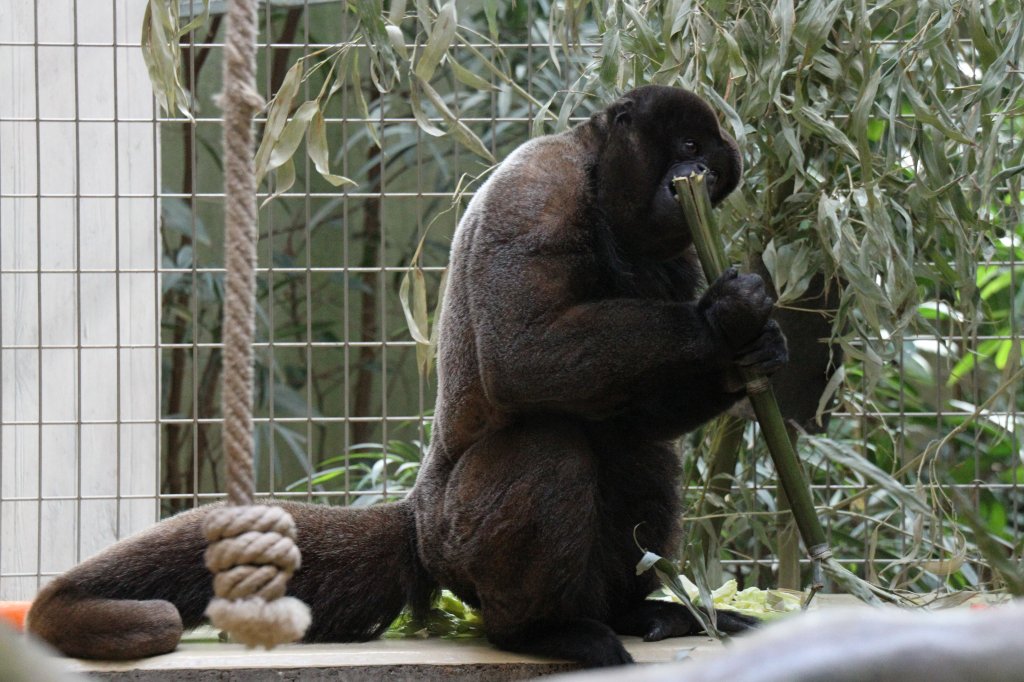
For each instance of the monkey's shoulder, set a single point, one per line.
(539, 193)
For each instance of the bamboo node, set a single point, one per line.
(820, 552)
(758, 385)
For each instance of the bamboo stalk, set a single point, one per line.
(696, 205)
(787, 534)
(724, 454)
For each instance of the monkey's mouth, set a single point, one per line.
(685, 170)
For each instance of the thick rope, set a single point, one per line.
(252, 550)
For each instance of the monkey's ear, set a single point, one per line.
(621, 111)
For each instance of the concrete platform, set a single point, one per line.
(386, 659)
(201, 658)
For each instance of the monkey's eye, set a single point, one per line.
(690, 148)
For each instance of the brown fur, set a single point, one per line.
(573, 350)
(133, 599)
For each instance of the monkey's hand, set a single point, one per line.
(765, 354)
(737, 308)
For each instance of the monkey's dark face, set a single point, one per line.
(655, 134)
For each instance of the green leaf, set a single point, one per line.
(976, 25)
(291, 136)
(423, 15)
(737, 69)
(841, 453)
(537, 126)
(875, 129)
(1007, 349)
(668, 574)
(441, 36)
(491, 13)
(430, 352)
(860, 114)
(611, 55)
(357, 90)
(384, 68)
(815, 23)
(819, 125)
(790, 269)
(415, 306)
(161, 52)
(649, 43)
(784, 17)
(421, 116)
(284, 178)
(281, 104)
(397, 40)
(396, 12)
(1007, 173)
(316, 147)
(456, 128)
(464, 75)
(277, 117)
(932, 112)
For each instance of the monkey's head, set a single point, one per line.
(653, 134)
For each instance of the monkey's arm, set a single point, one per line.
(541, 345)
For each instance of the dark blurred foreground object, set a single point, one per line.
(858, 645)
(26, 659)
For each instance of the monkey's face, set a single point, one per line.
(655, 134)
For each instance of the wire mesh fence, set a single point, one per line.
(111, 272)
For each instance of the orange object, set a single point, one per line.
(13, 613)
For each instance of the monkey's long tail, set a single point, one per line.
(359, 569)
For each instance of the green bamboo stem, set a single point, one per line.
(696, 204)
(724, 454)
(693, 197)
(787, 534)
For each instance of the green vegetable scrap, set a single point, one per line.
(753, 601)
(450, 618)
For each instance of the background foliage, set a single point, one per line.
(883, 143)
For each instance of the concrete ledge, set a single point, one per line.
(387, 659)
(202, 658)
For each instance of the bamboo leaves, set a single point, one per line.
(456, 128)
(412, 293)
(391, 65)
(791, 269)
(283, 134)
(316, 146)
(161, 51)
(442, 34)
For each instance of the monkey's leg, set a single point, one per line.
(640, 509)
(657, 620)
(589, 642)
(522, 531)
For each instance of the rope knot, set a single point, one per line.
(252, 554)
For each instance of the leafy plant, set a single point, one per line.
(883, 147)
(385, 470)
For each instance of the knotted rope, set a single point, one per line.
(252, 550)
